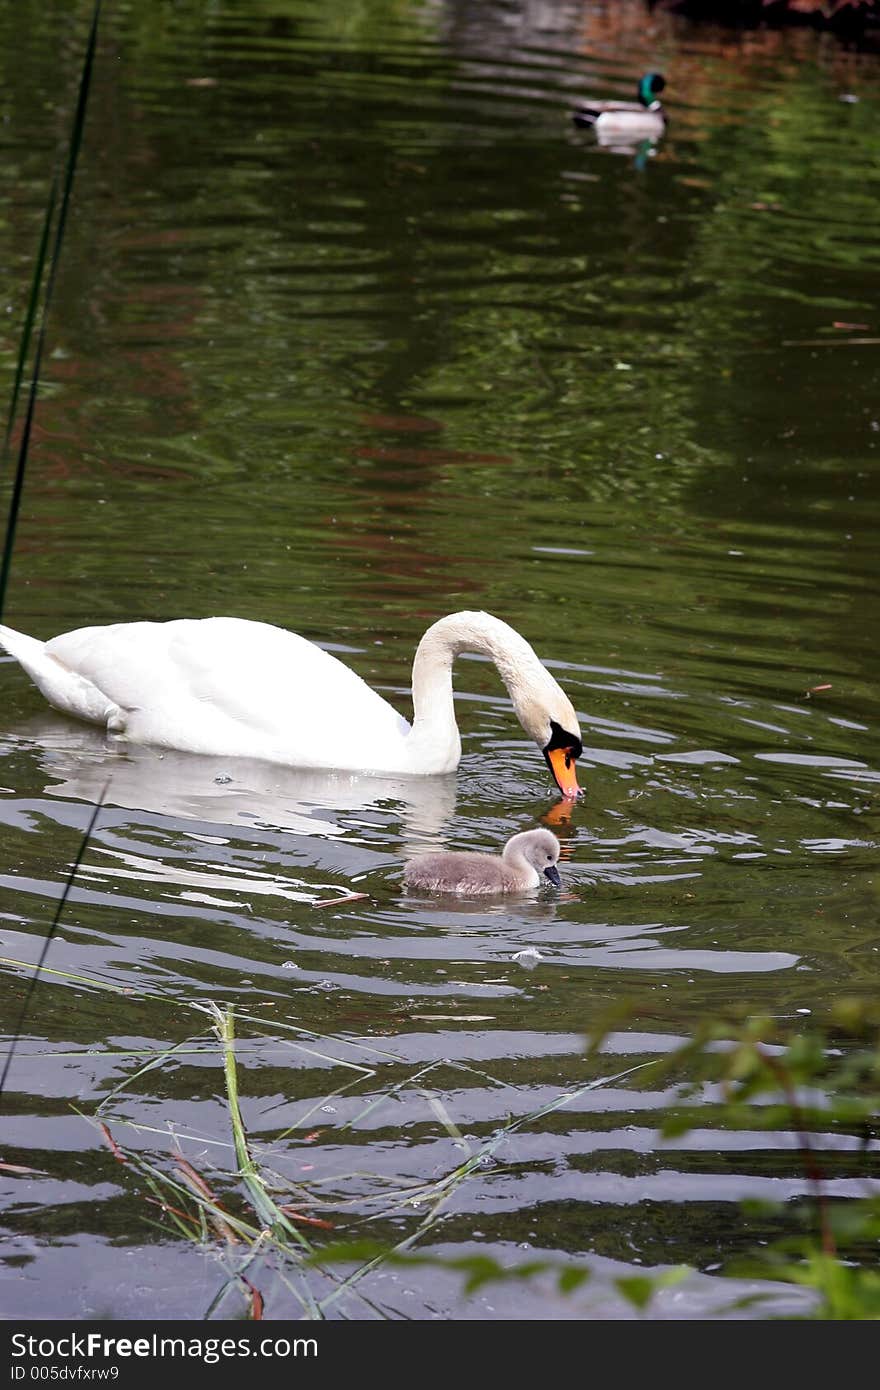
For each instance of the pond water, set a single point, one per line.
(353, 329)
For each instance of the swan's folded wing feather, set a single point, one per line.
(193, 683)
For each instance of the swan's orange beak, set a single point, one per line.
(562, 763)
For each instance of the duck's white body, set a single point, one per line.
(627, 122)
(230, 687)
(631, 124)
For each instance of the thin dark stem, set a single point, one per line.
(30, 315)
(18, 484)
(814, 1173)
(73, 151)
(93, 820)
(79, 120)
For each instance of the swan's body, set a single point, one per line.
(234, 688)
(519, 867)
(627, 121)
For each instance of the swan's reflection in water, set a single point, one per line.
(81, 761)
(217, 829)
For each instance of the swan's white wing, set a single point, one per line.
(228, 686)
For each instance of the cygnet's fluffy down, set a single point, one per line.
(524, 861)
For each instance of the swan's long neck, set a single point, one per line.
(435, 730)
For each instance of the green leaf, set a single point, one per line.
(571, 1279)
(638, 1289)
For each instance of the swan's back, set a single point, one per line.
(219, 685)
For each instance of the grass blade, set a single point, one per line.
(93, 819)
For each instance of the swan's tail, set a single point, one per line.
(67, 690)
(26, 650)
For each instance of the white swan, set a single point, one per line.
(519, 867)
(234, 688)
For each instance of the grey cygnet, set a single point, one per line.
(520, 866)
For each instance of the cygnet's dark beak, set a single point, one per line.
(552, 873)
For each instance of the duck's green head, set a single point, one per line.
(650, 87)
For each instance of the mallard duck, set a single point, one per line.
(519, 867)
(235, 688)
(625, 121)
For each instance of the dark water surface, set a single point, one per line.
(354, 329)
